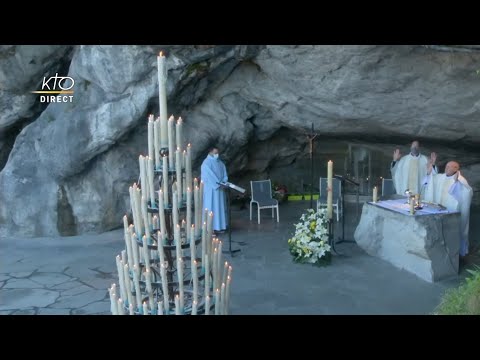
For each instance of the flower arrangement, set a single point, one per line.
(310, 242)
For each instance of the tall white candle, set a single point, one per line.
(128, 246)
(161, 251)
(201, 201)
(207, 305)
(162, 94)
(194, 307)
(196, 211)
(151, 138)
(146, 253)
(136, 217)
(145, 216)
(132, 206)
(209, 232)
(148, 282)
(145, 308)
(163, 275)
(121, 308)
(189, 212)
(207, 277)
(178, 241)
(180, 281)
(161, 212)
(227, 295)
(375, 195)
(215, 268)
(131, 309)
(222, 300)
(123, 292)
(155, 222)
(217, 301)
(143, 176)
(113, 302)
(136, 255)
(177, 305)
(204, 244)
(225, 272)
(151, 176)
(330, 186)
(179, 133)
(165, 181)
(178, 167)
(219, 264)
(171, 143)
(156, 143)
(175, 208)
(195, 280)
(188, 166)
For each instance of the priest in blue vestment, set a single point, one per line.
(213, 171)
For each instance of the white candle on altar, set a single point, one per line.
(128, 246)
(171, 143)
(128, 286)
(179, 133)
(145, 308)
(161, 212)
(375, 194)
(136, 255)
(225, 272)
(162, 99)
(177, 305)
(207, 277)
(229, 271)
(178, 241)
(178, 167)
(195, 280)
(215, 267)
(163, 275)
(151, 138)
(204, 244)
(209, 232)
(196, 211)
(120, 308)
(151, 176)
(219, 264)
(132, 206)
(194, 307)
(184, 179)
(131, 309)
(123, 292)
(330, 186)
(143, 176)
(180, 281)
(160, 308)
(201, 201)
(217, 301)
(156, 143)
(113, 301)
(222, 300)
(146, 252)
(193, 248)
(174, 208)
(160, 249)
(188, 166)
(155, 222)
(137, 216)
(136, 283)
(165, 181)
(145, 216)
(207, 305)
(189, 212)
(227, 295)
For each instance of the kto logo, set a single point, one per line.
(59, 85)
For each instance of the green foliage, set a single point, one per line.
(464, 300)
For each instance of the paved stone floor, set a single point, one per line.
(70, 275)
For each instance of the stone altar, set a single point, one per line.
(425, 244)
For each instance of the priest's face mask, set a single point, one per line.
(415, 148)
(214, 153)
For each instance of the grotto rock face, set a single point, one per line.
(70, 168)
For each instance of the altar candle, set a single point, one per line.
(120, 308)
(113, 302)
(194, 307)
(229, 271)
(179, 133)
(143, 176)
(151, 138)
(162, 97)
(195, 280)
(217, 301)
(207, 305)
(145, 308)
(209, 230)
(131, 309)
(227, 295)
(175, 208)
(189, 212)
(225, 272)
(163, 274)
(156, 143)
(375, 194)
(136, 214)
(207, 277)
(150, 177)
(155, 222)
(136, 255)
(123, 292)
(130, 192)
(193, 249)
(330, 193)
(200, 206)
(136, 282)
(188, 166)
(412, 206)
(222, 300)
(180, 281)
(165, 181)
(128, 245)
(171, 143)
(177, 305)
(178, 241)
(196, 205)
(148, 282)
(161, 212)
(215, 267)
(178, 167)
(145, 217)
